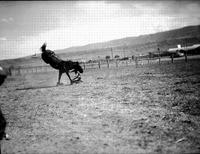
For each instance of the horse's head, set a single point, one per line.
(78, 67)
(43, 47)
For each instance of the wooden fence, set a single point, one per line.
(97, 64)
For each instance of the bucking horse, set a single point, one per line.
(63, 66)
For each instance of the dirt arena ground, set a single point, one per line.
(125, 110)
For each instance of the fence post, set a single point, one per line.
(185, 54)
(107, 62)
(159, 60)
(172, 58)
(99, 64)
(116, 62)
(136, 62)
(159, 55)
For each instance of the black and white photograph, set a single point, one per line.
(100, 77)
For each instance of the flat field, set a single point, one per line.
(149, 109)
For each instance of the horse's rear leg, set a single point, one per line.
(71, 82)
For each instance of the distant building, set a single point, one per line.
(194, 49)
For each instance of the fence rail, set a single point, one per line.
(97, 64)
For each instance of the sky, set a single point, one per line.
(26, 25)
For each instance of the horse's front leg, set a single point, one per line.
(71, 82)
(59, 77)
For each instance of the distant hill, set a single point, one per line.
(123, 47)
(176, 34)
